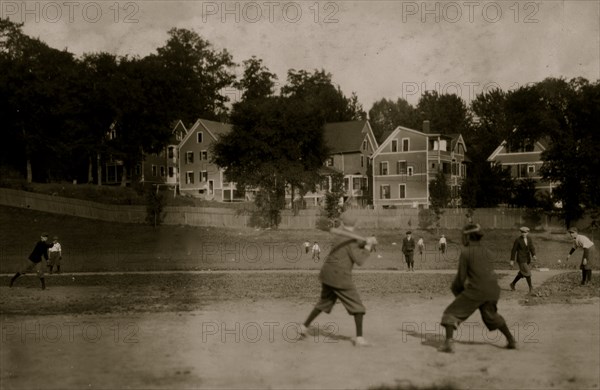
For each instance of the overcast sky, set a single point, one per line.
(378, 49)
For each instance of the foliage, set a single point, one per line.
(333, 209)
(318, 92)
(524, 194)
(439, 196)
(447, 113)
(385, 115)
(275, 142)
(257, 82)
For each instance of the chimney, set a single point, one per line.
(426, 126)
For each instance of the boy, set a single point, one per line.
(589, 254)
(35, 261)
(480, 292)
(522, 251)
(55, 255)
(408, 249)
(316, 252)
(336, 279)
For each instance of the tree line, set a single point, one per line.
(57, 108)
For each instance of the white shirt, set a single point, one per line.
(316, 248)
(420, 242)
(582, 242)
(443, 240)
(55, 248)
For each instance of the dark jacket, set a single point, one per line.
(476, 278)
(337, 269)
(40, 249)
(522, 253)
(408, 245)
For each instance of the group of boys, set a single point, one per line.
(475, 285)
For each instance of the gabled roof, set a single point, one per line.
(542, 143)
(215, 129)
(346, 137)
(455, 137)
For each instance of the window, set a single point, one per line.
(365, 183)
(394, 145)
(346, 184)
(410, 170)
(171, 172)
(364, 145)
(362, 161)
(171, 152)
(356, 183)
(432, 165)
(211, 187)
(162, 171)
(402, 191)
(523, 170)
(401, 167)
(204, 155)
(454, 168)
(384, 191)
(531, 169)
(438, 145)
(446, 167)
(203, 176)
(138, 169)
(189, 177)
(405, 144)
(383, 168)
(199, 134)
(189, 157)
(329, 162)
(154, 170)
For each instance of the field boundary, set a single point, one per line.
(402, 218)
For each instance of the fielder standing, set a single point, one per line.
(336, 279)
(589, 254)
(408, 249)
(522, 251)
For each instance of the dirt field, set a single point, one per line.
(140, 331)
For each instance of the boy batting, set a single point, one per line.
(336, 278)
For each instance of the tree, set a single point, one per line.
(439, 196)
(319, 92)
(36, 81)
(385, 115)
(573, 157)
(275, 141)
(258, 82)
(486, 186)
(446, 113)
(197, 75)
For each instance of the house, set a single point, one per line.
(198, 176)
(523, 160)
(408, 160)
(162, 168)
(351, 145)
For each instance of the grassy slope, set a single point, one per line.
(91, 245)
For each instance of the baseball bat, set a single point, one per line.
(347, 233)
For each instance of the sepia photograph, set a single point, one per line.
(352, 194)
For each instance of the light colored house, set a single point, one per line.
(198, 176)
(351, 145)
(523, 161)
(408, 160)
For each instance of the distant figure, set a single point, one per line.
(408, 249)
(442, 244)
(306, 246)
(54, 255)
(316, 252)
(35, 259)
(421, 245)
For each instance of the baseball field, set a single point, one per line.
(185, 308)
